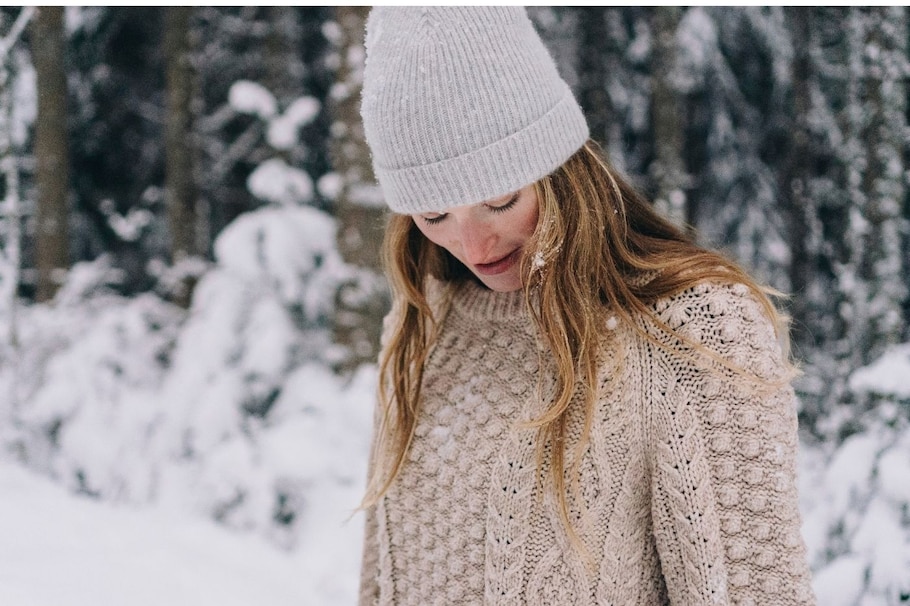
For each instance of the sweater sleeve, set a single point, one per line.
(723, 457)
(370, 559)
(369, 569)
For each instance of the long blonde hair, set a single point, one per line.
(616, 256)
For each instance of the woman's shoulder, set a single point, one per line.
(705, 302)
(711, 303)
(729, 319)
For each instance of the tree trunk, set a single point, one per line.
(593, 48)
(51, 152)
(181, 192)
(882, 264)
(667, 170)
(795, 174)
(180, 186)
(359, 209)
(284, 71)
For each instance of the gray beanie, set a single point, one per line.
(462, 105)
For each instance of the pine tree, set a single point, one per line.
(843, 185)
(116, 73)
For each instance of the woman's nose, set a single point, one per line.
(476, 241)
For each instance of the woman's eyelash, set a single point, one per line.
(495, 209)
(504, 207)
(434, 220)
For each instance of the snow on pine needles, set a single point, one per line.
(229, 410)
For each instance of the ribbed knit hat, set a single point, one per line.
(462, 105)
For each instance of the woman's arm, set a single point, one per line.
(723, 451)
(369, 569)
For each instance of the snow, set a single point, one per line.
(880, 539)
(889, 375)
(128, 227)
(60, 548)
(330, 185)
(25, 99)
(291, 249)
(368, 195)
(283, 130)
(840, 583)
(223, 456)
(854, 498)
(696, 37)
(276, 181)
(251, 98)
(332, 32)
(894, 474)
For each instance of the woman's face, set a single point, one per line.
(488, 238)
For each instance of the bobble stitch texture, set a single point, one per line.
(687, 486)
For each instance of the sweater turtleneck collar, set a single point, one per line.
(472, 300)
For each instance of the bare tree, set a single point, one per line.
(48, 42)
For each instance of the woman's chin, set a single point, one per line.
(505, 282)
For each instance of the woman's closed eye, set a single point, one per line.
(504, 207)
(435, 218)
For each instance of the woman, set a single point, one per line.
(577, 404)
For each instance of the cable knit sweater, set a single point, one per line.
(688, 481)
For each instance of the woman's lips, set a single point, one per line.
(497, 267)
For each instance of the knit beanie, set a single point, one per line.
(462, 105)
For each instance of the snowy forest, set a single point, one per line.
(190, 297)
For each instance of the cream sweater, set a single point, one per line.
(688, 481)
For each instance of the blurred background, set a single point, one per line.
(190, 294)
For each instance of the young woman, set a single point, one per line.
(578, 405)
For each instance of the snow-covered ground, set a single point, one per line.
(60, 549)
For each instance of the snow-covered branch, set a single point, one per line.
(9, 40)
